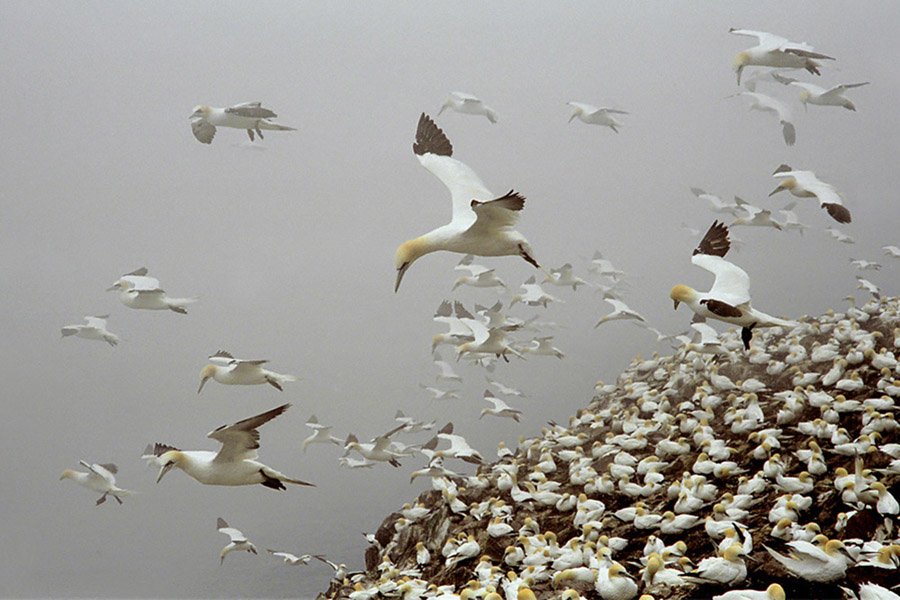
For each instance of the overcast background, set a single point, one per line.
(289, 243)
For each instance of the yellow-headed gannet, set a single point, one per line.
(94, 328)
(468, 104)
(239, 541)
(596, 115)
(250, 116)
(136, 290)
(775, 51)
(773, 592)
(229, 370)
(812, 563)
(100, 478)
(813, 94)
(805, 184)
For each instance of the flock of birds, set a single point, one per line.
(598, 455)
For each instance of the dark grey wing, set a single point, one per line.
(431, 139)
(253, 112)
(715, 242)
(203, 131)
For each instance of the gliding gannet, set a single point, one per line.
(482, 223)
(775, 51)
(94, 328)
(596, 115)
(813, 94)
(729, 298)
(250, 116)
(468, 104)
(100, 478)
(239, 541)
(234, 464)
(805, 184)
(229, 370)
(136, 290)
(764, 103)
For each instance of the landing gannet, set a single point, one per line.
(775, 51)
(229, 370)
(239, 541)
(94, 328)
(468, 104)
(234, 464)
(764, 103)
(136, 290)
(250, 116)
(596, 115)
(100, 478)
(813, 94)
(729, 298)
(805, 184)
(482, 223)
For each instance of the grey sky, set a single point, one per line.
(290, 244)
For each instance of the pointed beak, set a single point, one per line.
(572, 117)
(163, 470)
(739, 69)
(775, 191)
(113, 288)
(202, 383)
(675, 303)
(400, 272)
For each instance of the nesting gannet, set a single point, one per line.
(136, 290)
(238, 543)
(100, 478)
(481, 224)
(250, 116)
(94, 328)
(775, 51)
(729, 298)
(773, 592)
(229, 370)
(291, 559)
(468, 104)
(764, 103)
(813, 94)
(500, 408)
(808, 561)
(234, 464)
(596, 115)
(805, 184)
(620, 311)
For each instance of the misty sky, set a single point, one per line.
(289, 243)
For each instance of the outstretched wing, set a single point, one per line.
(497, 213)
(253, 110)
(715, 242)
(203, 130)
(732, 284)
(241, 440)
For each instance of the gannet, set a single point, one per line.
(100, 478)
(754, 216)
(250, 116)
(729, 298)
(229, 370)
(291, 559)
(865, 284)
(379, 449)
(620, 311)
(533, 294)
(234, 464)
(892, 251)
(773, 592)
(563, 277)
(764, 103)
(813, 94)
(596, 115)
(468, 104)
(459, 447)
(775, 51)
(94, 328)
(808, 561)
(482, 223)
(604, 267)
(503, 389)
(716, 204)
(458, 331)
(239, 541)
(865, 265)
(840, 236)
(136, 290)
(446, 371)
(479, 275)
(410, 425)
(488, 341)
(500, 409)
(791, 221)
(321, 434)
(439, 394)
(542, 346)
(805, 184)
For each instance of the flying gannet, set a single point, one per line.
(239, 541)
(813, 94)
(775, 51)
(596, 115)
(94, 328)
(136, 290)
(805, 184)
(250, 116)
(468, 104)
(482, 223)
(229, 370)
(100, 478)
(729, 298)
(234, 464)
(764, 103)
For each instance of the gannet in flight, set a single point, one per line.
(596, 115)
(500, 408)
(805, 184)
(533, 294)
(813, 94)
(564, 276)
(290, 559)
(775, 51)
(239, 541)
(892, 251)
(754, 216)
(468, 104)
(840, 236)
(482, 224)
(321, 434)
(229, 370)
(234, 464)
(764, 103)
(136, 290)
(716, 204)
(729, 298)
(620, 311)
(94, 328)
(250, 116)
(479, 275)
(100, 478)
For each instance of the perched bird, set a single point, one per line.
(250, 116)
(773, 592)
(808, 561)
(136, 290)
(764, 103)
(805, 184)
(482, 223)
(813, 94)
(238, 543)
(291, 559)
(234, 464)
(595, 115)
(100, 478)
(776, 51)
(620, 311)
(229, 370)
(468, 104)
(94, 328)
(729, 298)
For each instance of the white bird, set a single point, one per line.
(542, 346)
(378, 449)
(596, 115)
(481, 224)
(440, 394)
(754, 216)
(775, 51)
(479, 276)
(604, 267)
(808, 561)
(716, 204)
(459, 447)
(458, 331)
(840, 236)
(813, 94)
(500, 408)
(229, 370)
(468, 104)
(410, 425)
(136, 290)
(250, 116)
(892, 251)
(99, 478)
(729, 298)
(564, 277)
(865, 265)
(865, 284)
(873, 591)
(764, 103)
(321, 434)
(446, 370)
(234, 464)
(488, 341)
(503, 389)
(773, 592)
(94, 328)
(805, 184)
(620, 311)
(791, 220)
(291, 559)
(238, 543)
(533, 294)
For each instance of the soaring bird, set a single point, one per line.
(729, 298)
(764, 103)
(813, 94)
(229, 370)
(250, 116)
(596, 115)
(234, 464)
(775, 51)
(100, 478)
(805, 184)
(239, 541)
(94, 328)
(462, 102)
(136, 290)
(482, 223)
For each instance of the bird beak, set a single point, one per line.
(572, 117)
(676, 303)
(775, 191)
(400, 272)
(163, 470)
(739, 69)
(113, 288)
(202, 383)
